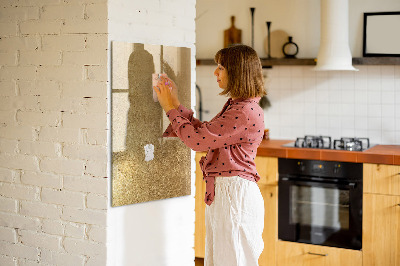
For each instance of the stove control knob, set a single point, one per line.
(302, 167)
(336, 169)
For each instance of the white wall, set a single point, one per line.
(53, 118)
(53, 136)
(299, 18)
(159, 232)
(337, 104)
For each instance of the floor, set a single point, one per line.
(199, 262)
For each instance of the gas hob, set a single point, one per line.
(325, 142)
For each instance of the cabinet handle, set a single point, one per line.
(318, 254)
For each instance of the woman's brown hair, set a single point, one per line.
(245, 78)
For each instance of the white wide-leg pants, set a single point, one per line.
(234, 223)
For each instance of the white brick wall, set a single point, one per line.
(53, 113)
(53, 122)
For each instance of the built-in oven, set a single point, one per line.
(320, 202)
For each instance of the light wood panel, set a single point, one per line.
(381, 230)
(200, 207)
(297, 254)
(381, 179)
(270, 233)
(267, 168)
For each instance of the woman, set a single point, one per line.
(235, 207)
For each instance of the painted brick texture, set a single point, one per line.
(53, 122)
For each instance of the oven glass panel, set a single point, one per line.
(324, 211)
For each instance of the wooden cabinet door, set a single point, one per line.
(267, 168)
(381, 230)
(297, 254)
(200, 207)
(381, 179)
(270, 233)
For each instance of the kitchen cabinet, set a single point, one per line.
(267, 167)
(298, 254)
(381, 221)
(381, 230)
(381, 215)
(270, 233)
(200, 207)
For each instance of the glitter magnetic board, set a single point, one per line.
(145, 166)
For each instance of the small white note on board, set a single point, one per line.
(148, 152)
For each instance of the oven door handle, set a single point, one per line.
(329, 184)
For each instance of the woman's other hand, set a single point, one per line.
(164, 94)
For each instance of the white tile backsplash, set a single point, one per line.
(387, 71)
(374, 110)
(361, 124)
(388, 84)
(374, 97)
(388, 97)
(387, 124)
(364, 103)
(374, 83)
(361, 110)
(348, 96)
(388, 111)
(347, 110)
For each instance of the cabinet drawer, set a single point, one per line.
(381, 179)
(267, 168)
(294, 254)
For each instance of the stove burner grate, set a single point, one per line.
(321, 142)
(351, 144)
(324, 142)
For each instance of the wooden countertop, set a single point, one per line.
(379, 154)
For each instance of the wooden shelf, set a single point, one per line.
(268, 63)
(376, 61)
(288, 62)
(312, 61)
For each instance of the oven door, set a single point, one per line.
(321, 212)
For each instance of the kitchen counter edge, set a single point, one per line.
(378, 154)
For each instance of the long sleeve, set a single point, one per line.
(186, 113)
(231, 139)
(225, 130)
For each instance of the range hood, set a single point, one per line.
(334, 51)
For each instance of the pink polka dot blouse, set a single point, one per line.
(231, 139)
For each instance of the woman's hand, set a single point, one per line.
(164, 94)
(174, 90)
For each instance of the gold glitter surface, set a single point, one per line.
(138, 121)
